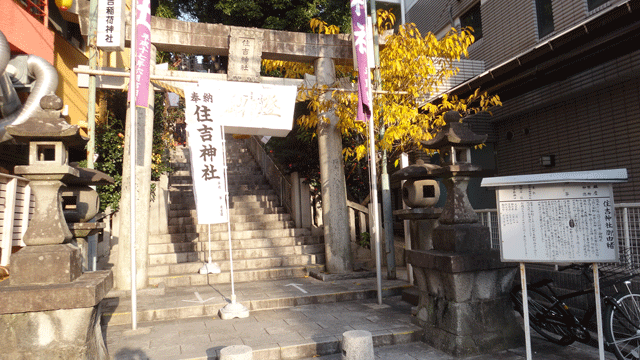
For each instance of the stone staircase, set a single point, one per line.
(266, 244)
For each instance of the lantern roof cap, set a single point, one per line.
(47, 125)
(454, 133)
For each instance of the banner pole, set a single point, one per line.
(376, 213)
(234, 309)
(132, 165)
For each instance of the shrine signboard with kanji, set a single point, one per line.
(110, 28)
(208, 172)
(217, 107)
(559, 217)
(242, 108)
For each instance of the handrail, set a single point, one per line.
(358, 207)
(280, 183)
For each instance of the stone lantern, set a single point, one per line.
(47, 289)
(464, 304)
(49, 136)
(420, 193)
(80, 205)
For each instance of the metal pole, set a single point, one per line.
(404, 162)
(132, 165)
(226, 179)
(596, 287)
(625, 224)
(525, 309)
(387, 210)
(93, 63)
(375, 228)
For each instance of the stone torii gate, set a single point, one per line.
(245, 48)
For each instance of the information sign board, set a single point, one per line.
(563, 218)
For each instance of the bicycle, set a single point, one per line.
(553, 319)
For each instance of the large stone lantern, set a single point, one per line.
(464, 304)
(47, 291)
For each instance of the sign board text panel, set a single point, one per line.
(558, 223)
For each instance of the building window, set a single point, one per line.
(544, 13)
(593, 4)
(472, 18)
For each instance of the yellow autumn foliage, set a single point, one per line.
(406, 101)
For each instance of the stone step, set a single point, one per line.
(116, 312)
(188, 224)
(238, 192)
(218, 229)
(160, 264)
(254, 204)
(223, 254)
(195, 279)
(263, 197)
(258, 197)
(257, 210)
(191, 206)
(238, 222)
(192, 214)
(223, 242)
(182, 206)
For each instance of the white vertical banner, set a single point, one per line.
(207, 161)
(111, 18)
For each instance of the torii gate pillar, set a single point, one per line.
(335, 216)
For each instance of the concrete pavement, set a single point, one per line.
(289, 319)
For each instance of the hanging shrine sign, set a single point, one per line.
(245, 108)
(233, 107)
(110, 35)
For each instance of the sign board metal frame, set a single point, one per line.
(579, 199)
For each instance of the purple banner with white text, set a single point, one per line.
(359, 28)
(143, 51)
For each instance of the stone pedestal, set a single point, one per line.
(58, 321)
(46, 264)
(464, 305)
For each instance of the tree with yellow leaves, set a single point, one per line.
(406, 100)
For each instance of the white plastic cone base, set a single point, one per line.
(210, 268)
(234, 310)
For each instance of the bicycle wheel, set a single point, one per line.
(548, 322)
(622, 326)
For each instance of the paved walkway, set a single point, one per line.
(289, 319)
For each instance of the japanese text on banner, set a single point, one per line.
(207, 157)
(359, 26)
(143, 52)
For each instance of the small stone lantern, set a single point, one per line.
(454, 142)
(420, 193)
(49, 136)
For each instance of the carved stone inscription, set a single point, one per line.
(245, 53)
